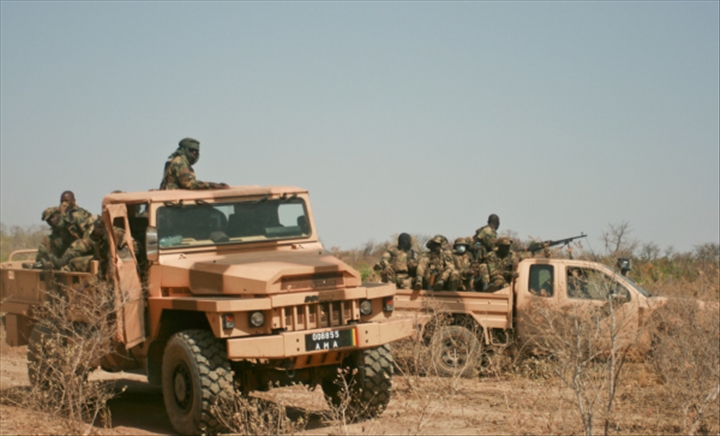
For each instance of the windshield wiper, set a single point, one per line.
(178, 205)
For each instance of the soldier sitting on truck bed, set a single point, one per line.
(500, 266)
(435, 267)
(466, 267)
(399, 263)
(179, 173)
(78, 220)
(57, 242)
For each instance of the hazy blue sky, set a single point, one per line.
(422, 117)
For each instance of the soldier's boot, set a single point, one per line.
(417, 285)
(453, 284)
(60, 262)
(439, 284)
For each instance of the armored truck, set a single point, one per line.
(224, 290)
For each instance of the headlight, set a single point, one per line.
(366, 307)
(257, 319)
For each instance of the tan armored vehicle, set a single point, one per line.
(237, 292)
(478, 319)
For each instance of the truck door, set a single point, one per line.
(535, 291)
(604, 300)
(127, 285)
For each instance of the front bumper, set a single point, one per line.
(292, 344)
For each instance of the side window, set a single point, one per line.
(590, 284)
(541, 280)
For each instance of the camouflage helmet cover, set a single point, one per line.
(461, 241)
(50, 211)
(437, 239)
(190, 143)
(503, 240)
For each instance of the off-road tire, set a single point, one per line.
(455, 352)
(368, 374)
(195, 375)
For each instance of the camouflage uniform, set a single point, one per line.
(102, 252)
(398, 266)
(462, 277)
(79, 255)
(57, 242)
(500, 266)
(79, 222)
(436, 266)
(484, 241)
(178, 173)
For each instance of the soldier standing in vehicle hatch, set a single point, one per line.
(179, 173)
(435, 267)
(399, 263)
(484, 238)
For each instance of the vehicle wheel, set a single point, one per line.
(455, 352)
(363, 388)
(195, 374)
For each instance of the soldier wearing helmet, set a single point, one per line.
(499, 268)
(462, 276)
(484, 239)
(179, 173)
(57, 241)
(436, 266)
(399, 263)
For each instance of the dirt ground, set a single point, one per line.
(503, 404)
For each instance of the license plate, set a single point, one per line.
(331, 339)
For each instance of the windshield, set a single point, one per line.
(224, 223)
(637, 287)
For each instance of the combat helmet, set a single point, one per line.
(503, 240)
(50, 211)
(437, 239)
(461, 241)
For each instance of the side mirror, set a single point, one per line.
(151, 244)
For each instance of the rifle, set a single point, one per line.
(537, 246)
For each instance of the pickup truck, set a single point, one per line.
(473, 320)
(220, 291)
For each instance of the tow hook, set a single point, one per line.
(290, 369)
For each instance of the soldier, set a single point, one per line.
(466, 267)
(100, 237)
(57, 242)
(435, 267)
(179, 173)
(79, 222)
(500, 266)
(485, 237)
(399, 263)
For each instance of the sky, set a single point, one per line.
(418, 117)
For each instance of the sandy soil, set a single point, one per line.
(508, 404)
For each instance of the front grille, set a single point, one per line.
(318, 315)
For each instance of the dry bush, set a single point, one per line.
(75, 329)
(686, 355)
(586, 347)
(255, 416)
